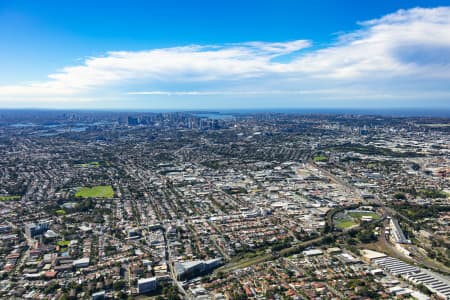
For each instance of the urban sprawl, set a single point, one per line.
(207, 205)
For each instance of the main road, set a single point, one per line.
(171, 266)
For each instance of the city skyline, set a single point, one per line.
(225, 150)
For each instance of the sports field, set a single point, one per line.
(352, 218)
(6, 198)
(345, 223)
(100, 191)
(90, 164)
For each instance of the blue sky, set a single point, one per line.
(224, 54)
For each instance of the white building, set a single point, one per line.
(397, 233)
(81, 263)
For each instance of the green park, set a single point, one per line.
(100, 191)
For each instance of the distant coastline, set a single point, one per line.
(219, 113)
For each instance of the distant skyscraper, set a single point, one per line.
(133, 121)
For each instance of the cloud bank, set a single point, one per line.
(403, 55)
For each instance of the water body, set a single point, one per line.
(19, 125)
(215, 116)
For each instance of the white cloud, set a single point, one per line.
(409, 47)
(378, 48)
(232, 93)
(277, 49)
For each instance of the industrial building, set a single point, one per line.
(369, 255)
(395, 266)
(81, 263)
(397, 234)
(433, 282)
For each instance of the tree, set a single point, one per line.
(51, 288)
(400, 196)
(366, 236)
(118, 285)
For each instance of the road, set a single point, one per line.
(171, 266)
(214, 240)
(246, 262)
(338, 180)
(26, 255)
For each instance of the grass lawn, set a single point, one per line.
(352, 219)
(6, 198)
(430, 193)
(100, 191)
(60, 212)
(90, 164)
(62, 243)
(321, 157)
(345, 223)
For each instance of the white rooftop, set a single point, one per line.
(312, 252)
(370, 254)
